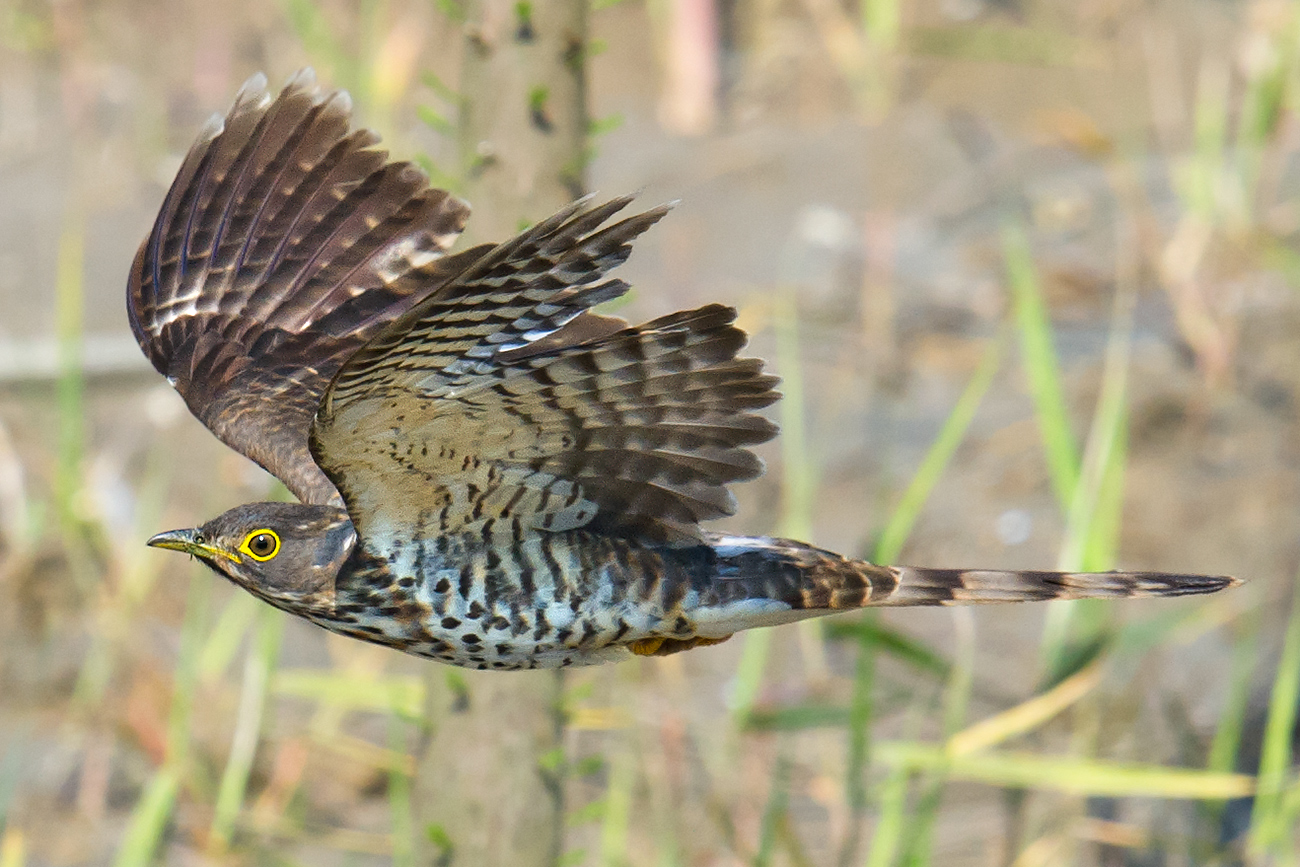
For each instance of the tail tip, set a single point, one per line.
(1195, 585)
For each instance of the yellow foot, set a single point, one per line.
(646, 646)
(664, 646)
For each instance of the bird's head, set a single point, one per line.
(287, 553)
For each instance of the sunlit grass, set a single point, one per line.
(914, 832)
(1093, 496)
(1272, 828)
(1075, 776)
(149, 818)
(904, 515)
(956, 699)
(13, 848)
(774, 813)
(1026, 716)
(399, 798)
(1090, 490)
(798, 490)
(1040, 364)
(259, 665)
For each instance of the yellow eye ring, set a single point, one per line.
(261, 545)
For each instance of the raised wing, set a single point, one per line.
(286, 242)
(499, 405)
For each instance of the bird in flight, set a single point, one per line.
(489, 473)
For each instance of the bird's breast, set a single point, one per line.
(537, 601)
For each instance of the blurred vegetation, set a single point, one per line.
(152, 715)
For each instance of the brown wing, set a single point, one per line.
(285, 243)
(481, 410)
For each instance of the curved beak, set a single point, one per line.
(185, 541)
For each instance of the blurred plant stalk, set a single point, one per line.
(69, 299)
(491, 775)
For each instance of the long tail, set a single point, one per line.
(808, 578)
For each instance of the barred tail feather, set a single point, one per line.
(919, 586)
(809, 579)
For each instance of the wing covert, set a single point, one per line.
(501, 405)
(286, 242)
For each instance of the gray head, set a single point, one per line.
(287, 553)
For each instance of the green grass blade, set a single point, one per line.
(749, 675)
(1226, 745)
(1262, 106)
(882, 22)
(1200, 175)
(399, 798)
(13, 848)
(196, 619)
(890, 641)
(888, 549)
(798, 467)
(1026, 716)
(121, 606)
(258, 667)
(1095, 507)
(615, 821)
(1227, 737)
(1022, 45)
(1070, 775)
(1268, 830)
(956, 700)
(11, 771)
(775, 811)
(936, 460)
(152, 812)
(148, 820)
(308, 21)
(1092, 514)
(858, 736)
(401, 694)
(1039, 360)
(1289, 817)
(804, 715)
(889, 832)
(1176, 625)
(798, 487)
(223, 642)
(1101, 548)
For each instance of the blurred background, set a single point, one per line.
(1029, 271)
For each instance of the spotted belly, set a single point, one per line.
(543, 601)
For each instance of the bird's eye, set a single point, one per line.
(261, 544)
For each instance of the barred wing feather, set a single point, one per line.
(501, 406)
(286, 242)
